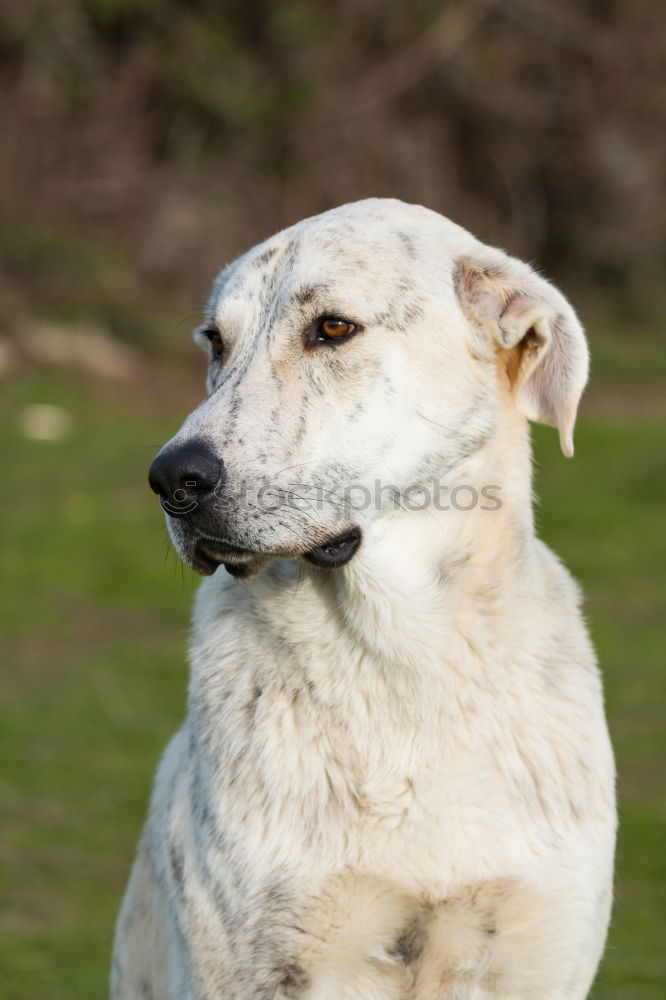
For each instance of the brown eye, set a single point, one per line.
(329, 328)
(217, 347)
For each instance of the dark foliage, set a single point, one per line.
(153, 140)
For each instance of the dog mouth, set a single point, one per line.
(337, 552)
(208, 554)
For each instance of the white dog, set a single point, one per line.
(394, 780)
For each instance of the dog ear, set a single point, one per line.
(526, 316)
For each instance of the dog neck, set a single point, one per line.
(427, 588)
(424, 579)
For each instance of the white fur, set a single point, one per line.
(394, 780)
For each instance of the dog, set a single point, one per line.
(394, 780)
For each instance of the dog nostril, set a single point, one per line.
(184, 470)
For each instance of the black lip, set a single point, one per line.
(207, 556)
(239, 570)
(203, 561)
(337, 552)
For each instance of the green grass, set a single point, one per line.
(94, 673)
(94, 680)
(604, 513)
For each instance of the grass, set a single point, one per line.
(604, 515)
(94, 674)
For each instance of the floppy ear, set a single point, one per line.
(524, 314)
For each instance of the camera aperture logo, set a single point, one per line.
(182, 502)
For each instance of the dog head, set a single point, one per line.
(352, 358)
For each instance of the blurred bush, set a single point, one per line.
(145, 142)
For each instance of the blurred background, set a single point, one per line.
(146, 143)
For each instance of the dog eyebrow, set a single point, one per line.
(306, 293)
(228, 313)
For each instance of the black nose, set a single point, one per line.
(185, 473)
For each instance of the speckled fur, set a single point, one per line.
(394, 780)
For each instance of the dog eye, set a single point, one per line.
(331, 328)
(216, 344)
